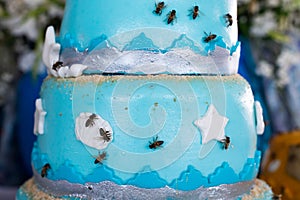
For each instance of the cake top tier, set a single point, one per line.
(151, 37)
(86, 23)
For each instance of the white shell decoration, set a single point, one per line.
(93, 130)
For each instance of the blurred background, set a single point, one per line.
(270, 61)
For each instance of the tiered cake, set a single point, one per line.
(143, 101)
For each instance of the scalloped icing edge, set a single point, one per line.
(218, 177)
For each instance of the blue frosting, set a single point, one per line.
(190, 179)
(84, 23)
(140, 55)
(110, 39)
(138, 108)
(141, 42)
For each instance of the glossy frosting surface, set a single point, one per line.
(86, 23)
(167, 124)
(126, 36)
(138, 108)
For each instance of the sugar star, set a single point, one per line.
(39, 117)
(212, 125)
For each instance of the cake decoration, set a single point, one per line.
(142, 55)
(51, 49)
(39, 117)
(93, 130)
(74, 70)
(51, 56)
(115, 191)
(111, 48)
(260, 124)
(212, 125)
(131, 125)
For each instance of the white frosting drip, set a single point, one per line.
(260, 125)
(39, 118)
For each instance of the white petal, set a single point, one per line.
(63, 71)
(76, 70)
(260, 125)
(51, 48)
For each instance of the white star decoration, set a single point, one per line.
(39, 118)
(212, 125)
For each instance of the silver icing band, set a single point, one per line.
(109, 190)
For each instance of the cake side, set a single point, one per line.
(189, 117)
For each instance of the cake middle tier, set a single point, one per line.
(148, 131)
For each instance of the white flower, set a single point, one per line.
(26, 61)
(33, 3)
(263, 24)
(264, 69)
(285, 61)
(28, 28)
(273, 3)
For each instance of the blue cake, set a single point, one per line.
(143, 101)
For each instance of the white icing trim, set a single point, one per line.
(212, 125)
(39, 118)
(65, 72)
(51, 48)
(260, 125)
(90, 135)
(51, 52)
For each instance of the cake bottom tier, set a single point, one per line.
(39, 188)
